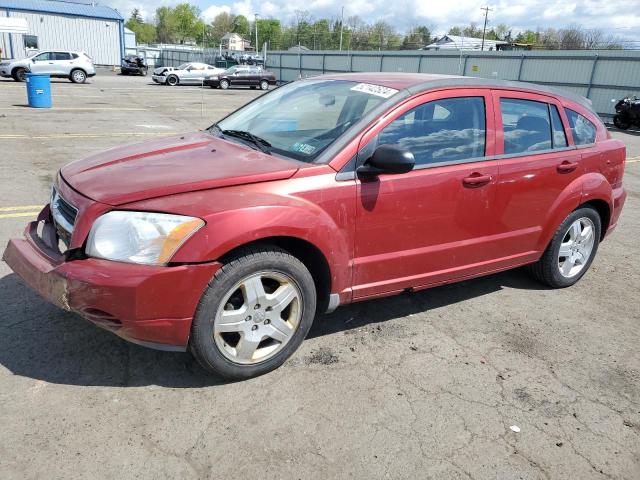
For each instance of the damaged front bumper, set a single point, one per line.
(148, 305)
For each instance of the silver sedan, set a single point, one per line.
(187, 73)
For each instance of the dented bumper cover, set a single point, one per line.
(148, 305)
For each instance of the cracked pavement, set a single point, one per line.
(424, 385)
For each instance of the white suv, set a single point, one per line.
(76, 66)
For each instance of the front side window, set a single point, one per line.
(43, 57)
(584, 132)
(30, 41)
(440, 131)
(301, 119)
(526, 126)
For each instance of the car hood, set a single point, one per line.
(160, 70)
(177, 164)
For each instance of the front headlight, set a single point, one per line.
(140, 237)
(212, 78)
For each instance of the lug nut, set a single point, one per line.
(269, 309)
(255, 327)
(267, 321)
(257, 306)
(248, 318)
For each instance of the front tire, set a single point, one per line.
(20, 74)
(78, 76)
(571, 251)
(264, 85)
(172, 80)
(255, 313)
(224, 84)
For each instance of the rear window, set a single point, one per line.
(584, 131)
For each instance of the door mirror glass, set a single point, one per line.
(388, 159)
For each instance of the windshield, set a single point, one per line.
(301, 119)
(183, 66)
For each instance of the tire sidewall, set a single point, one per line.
(620, 123)
(74, 72)
(586, 212)
(174, 79)
(264, 85)
(18, 73)
(224, 84)
(202, 342)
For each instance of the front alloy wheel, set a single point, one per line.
(255, 313)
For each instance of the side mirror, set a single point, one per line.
(33, 60)
(387, 159)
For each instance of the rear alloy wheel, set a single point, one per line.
(571, 251)
(264, 85)
(172, 80)
(255, 313)
(20, 74)
(78, 76)
(224, 84)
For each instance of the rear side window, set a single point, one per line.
(74, 55)
(584, 132)
(440, 131)
(61, 56)
(526, 125)
(559, 137)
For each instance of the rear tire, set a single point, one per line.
(239, 331)
(558, 270)
(173, 80)
(619, 123)
(78, 76)
(19, 74)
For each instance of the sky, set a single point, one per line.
(616, 17)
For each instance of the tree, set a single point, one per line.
(241, 26)
(269, 31)
(221, 25)
(145, 32)
(188, 25)
(165, 25)
(416, 38)
(528, 36)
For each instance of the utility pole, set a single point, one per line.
(341, 26)
(484, 30)
(255, 24)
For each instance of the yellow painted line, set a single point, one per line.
(85, 135)
(21, 214)
(21, 207)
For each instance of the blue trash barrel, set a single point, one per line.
(39, 90)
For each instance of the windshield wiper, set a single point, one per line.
(261, 143)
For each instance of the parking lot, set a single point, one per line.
(494, 378)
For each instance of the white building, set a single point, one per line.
(454, 42)
(234, 41)
(64, 24)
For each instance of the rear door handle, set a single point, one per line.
(476, 179)
(567, 166)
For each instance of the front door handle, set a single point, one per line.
(476, 180)
(567, 166)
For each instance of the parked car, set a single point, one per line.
(241, 76)
(134, 65)
(76, 66)
(627, 112)
(324, 192)
(187, 73)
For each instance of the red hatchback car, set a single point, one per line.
(323, 192)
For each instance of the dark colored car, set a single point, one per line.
(627, 112)
(134, 65)
(242, 76)
(323, 192)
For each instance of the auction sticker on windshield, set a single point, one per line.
(377, 90)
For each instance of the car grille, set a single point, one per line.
(64, 215)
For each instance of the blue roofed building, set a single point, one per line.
(82, 25)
